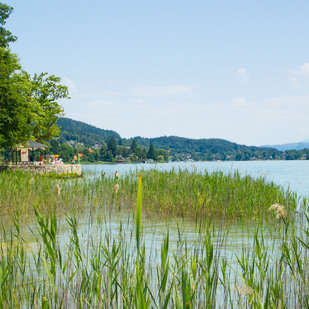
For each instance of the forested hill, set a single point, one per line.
(81, 132)
(198, 145)
(207, 149)
(76, 132)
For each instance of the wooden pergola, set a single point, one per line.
(24, 151)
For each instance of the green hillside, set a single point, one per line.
(209, 149)
(81, 132)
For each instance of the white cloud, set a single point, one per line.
(304, 69)
(295, 103)
(241, 102)
(173, 90)
(299, 78)
(243, 74)
(70, 84)
(99, 104)
(294, 82)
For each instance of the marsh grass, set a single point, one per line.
(165, 194)
(82, 262)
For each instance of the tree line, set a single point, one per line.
(109, 152)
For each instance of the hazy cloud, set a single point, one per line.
(243, 74)
(238, 101)
(70, 84)
(299, 78)
(304, 69)
(173, 90)
(297, 103)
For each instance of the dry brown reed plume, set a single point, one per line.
(116, 188)
(57, 190)
(280, 210)
(244, 290)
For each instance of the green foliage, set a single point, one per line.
(294, 154)
(151, 154)
(112, 146)
(160, 158)
(61, 175)
(140, 152)
(133, 145)
(77, 131)
(6, 36)
(66, 153)
(45, 92)
(14, 109)
(109, 157)
(163, 153)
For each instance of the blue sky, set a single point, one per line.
(237, 70)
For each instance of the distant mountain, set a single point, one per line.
(290, 146)
(73, 130)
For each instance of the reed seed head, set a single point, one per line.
(244, 289)
(280, 211)
(57, 190)
(116, 188)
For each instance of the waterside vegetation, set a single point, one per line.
(167, 194)
(71, 257)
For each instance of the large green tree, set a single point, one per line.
(14, 109)
(151, 154)
(45, 91)
(133, 145)
(112, 146)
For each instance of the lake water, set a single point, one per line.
(289, 174)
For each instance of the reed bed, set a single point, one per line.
(165, 195)
(77, 257)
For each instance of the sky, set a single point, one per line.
(236, 70)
